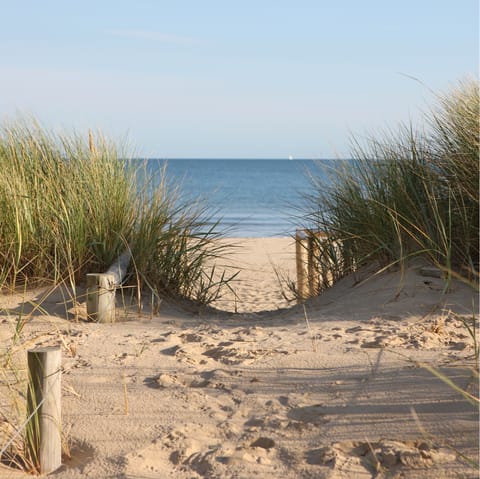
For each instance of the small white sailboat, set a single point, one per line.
(290, 157)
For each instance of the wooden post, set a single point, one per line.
(101, 289)
(313, 263)
(45, 427)
(300, 250)
(101, 297)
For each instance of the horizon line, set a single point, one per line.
(165, 158)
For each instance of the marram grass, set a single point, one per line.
(68, 207)
(409, 193)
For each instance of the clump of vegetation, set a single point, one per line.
(69, 207)
(410, 193)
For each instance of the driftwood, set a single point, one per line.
(119, 268)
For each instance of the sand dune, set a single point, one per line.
(329, 389)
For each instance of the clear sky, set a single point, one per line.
(244, 78)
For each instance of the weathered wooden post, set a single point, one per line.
(300, 251)
(313, 263)
(44, 430)
(101, 289)
(101, 297)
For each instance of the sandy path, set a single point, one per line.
(269, 394)
(261, 263)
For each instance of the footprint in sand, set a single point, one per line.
(314, 414)
(367, 459)
(216, 379)
(150, 463)
(260, 452)
(80, 454)
(227, 353)
(433, 333)
(168, 380)
(180, 353)
(187, 448)
(191, 338)
(238, 347)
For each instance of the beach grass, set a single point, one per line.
(70, 206)
(408, 193)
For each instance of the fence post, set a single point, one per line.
(101, 297)
(101, 289)
(313, 263)
(44, 431)
(300, 252)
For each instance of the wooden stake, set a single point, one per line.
(313, 264)
(44, 405)
(300, 250)
(101, 297)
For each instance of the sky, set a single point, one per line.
(232, 79)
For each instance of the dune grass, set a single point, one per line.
(68, 207)
(408, 193)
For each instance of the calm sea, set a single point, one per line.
(254, 198)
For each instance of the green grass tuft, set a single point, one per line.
(409, 193)
(68, 207)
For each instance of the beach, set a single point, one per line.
(264, 267)
(331, 388)
(240, 240)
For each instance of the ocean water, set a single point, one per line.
(250, 198)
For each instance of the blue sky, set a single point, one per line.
(244, 79)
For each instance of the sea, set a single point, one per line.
(248, 198)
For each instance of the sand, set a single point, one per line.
(262, 265)
(333, 388)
